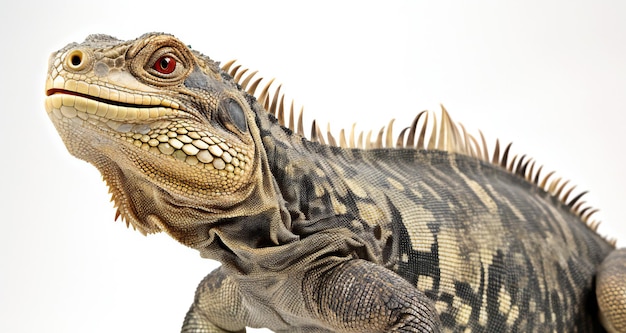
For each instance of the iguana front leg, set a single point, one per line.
(354, 296)
(360, 296)
(217, 306)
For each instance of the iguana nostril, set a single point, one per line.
(76, 60)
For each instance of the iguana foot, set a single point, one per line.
(195, 322)
(611, 291)
(216, 307)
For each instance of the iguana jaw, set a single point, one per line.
(76, 114)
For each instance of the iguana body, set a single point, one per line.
(430, 236)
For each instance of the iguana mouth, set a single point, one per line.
(104, 102)
(54, 91)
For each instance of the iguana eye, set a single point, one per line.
(161, 61)
(165, 65)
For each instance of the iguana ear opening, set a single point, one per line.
(231, 115)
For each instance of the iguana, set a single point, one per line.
(425, 233)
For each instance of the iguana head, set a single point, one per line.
(169, 131)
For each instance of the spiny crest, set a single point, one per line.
(274, 103)
(424, 133)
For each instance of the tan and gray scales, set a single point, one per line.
(423, 232)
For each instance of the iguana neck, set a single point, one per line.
(318, 186)
(236, 237)
(302, 170)
(257, 241)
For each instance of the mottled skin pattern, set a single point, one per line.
(314, 238)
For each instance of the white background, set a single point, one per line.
(548, 75)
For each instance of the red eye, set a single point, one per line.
(165, 65)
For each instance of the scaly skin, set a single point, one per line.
(314, 238)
